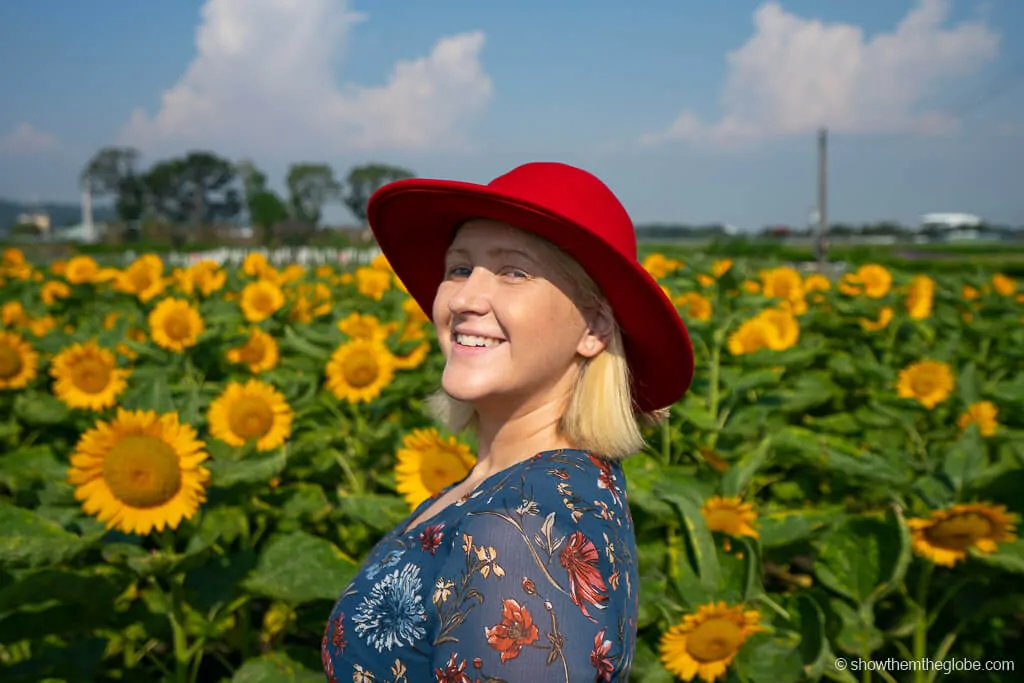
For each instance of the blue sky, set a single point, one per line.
(691, 111)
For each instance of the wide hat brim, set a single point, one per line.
(415, 220)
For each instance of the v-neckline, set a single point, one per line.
(475, 492)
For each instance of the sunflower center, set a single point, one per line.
(91, 375)
(177, 327)
(262, 301)
(253, 351)
(960, 532)
(250, 417)
(922, 385)
(441, 468)
(141, 280)
(360, 369)
(10, 361)
(142, 471)
(714, 640)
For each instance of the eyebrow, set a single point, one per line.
(495, 252)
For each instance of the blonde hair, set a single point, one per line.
(600, 416)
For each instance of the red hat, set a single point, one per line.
(415, 220)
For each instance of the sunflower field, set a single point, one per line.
(193, 462)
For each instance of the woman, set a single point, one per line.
(557, 344)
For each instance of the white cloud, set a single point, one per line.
(27, 139)
(263, 81)
(794, 75)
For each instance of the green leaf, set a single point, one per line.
(782, 528)
(968, 384)
(865, 558)
(275, 667)
(738, 476)
(255, 469)
(151, 393)
(694, 411)
(700, 543)
(32, 464)
(1008, 557)
(770, 658)
(39, 409)
(219, 524)
(380, 513)
(858, 635)
(814, 645)
(838, 455)
(292, 341)
(965, 459)
(755, 379)
(298, 567)
(30, 540)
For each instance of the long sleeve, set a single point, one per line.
(537, 592)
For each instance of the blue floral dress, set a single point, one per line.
(531, 578)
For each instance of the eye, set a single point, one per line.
(459, 271)
(517, 273)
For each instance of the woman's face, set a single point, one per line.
(510, 333)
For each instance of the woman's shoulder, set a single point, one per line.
(564, 488)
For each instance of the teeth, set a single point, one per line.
(472, 340)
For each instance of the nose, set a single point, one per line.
(473, 294)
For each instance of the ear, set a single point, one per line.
(598, 332)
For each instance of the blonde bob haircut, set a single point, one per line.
(600, 416)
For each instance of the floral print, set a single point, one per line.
(530, 578)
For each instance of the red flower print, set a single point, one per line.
(337, 630)
(579, 557)
(515, 630)
(451, 673)
(431, 537)
(328, 662)
(599, 658)
(606, 480)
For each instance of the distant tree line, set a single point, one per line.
(201, 187)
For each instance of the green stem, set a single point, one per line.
(673, 552)
(921, 630)
(180, 643)
(713, 392)
(666, 440)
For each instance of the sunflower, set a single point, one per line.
(82, 270)
(782, 283)
(140, 471)
(658, 265)
(359, 370)
(428, 463)
(927, 382)
(175, 324)
(705, 643)
(877, 281)
(982, 413)
(414, 312)
(884, 318)
(18, 361)
(730, 516)
(920, 297)
(87, 376)
(260, 352)
(253, 412)
(372, 282)
(143, 278)
(365, 326)
(947, 535)
(260, 300)
(54, 290)
(751, 286)
(1003, 285)
(721, 267)
(752, 336)
(786, 326)
(255, 264)
(412, 332)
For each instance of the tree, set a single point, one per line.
(364, 180)
(310, 187)
(112, 172)
(196, 188)
(266, 208)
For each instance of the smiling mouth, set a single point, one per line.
(474, 341)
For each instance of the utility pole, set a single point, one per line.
(822, 197)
